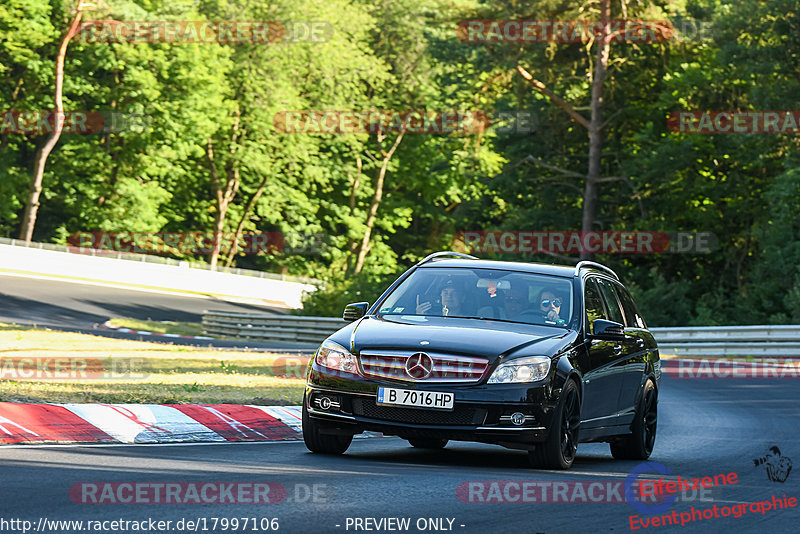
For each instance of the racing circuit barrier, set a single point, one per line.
(761, 340)
(695, 340)
(260, 327)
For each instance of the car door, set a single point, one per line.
(628, 352)
(601, 378)
(641, 342)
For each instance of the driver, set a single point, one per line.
(453, 299)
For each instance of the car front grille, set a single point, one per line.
(460, 416)
(447, 368)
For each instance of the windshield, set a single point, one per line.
(483, 293)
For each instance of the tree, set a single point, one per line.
(29, 219)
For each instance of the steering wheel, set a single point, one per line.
(532, 314)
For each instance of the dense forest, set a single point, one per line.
(576, 137)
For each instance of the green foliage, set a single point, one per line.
(317, 190)
(330, 300)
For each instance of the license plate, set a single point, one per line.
(435, 400)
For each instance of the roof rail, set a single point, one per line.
(442, 254)
(594, 265)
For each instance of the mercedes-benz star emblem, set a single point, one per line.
(419, 366)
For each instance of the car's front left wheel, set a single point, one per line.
(639, 444)
(318, 441)
(561, 446)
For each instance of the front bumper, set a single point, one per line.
(481, 413)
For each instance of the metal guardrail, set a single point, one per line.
(259, 327)
(761, 340)
(684, 341)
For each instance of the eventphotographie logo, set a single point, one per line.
(777, 466)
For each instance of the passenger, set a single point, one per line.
(549, 305)
(515, 303)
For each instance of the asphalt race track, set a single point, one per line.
(79, 307)
(58, 303)
(706, 428)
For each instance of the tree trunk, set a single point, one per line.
(595, 127)
(356, 184)
(240, 226)
(363, 249)
(32, 207)
(223, 195)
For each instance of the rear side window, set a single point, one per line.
(594, 305)
(632, 315)
(614, 312)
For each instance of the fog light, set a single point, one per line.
(518, 418)
(325, 403)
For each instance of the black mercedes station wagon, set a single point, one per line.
(527, 356)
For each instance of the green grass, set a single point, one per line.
(140, 372)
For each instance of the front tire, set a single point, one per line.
(321, 443)
(639, 444)
(428, 443)
(561, 446)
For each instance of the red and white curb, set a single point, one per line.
(147, 423)
(107, 326)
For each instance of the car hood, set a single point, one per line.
(473, 337)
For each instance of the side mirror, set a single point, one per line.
(353, 312)
(607, 329)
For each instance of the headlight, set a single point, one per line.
(335, 357)
(528, 369)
